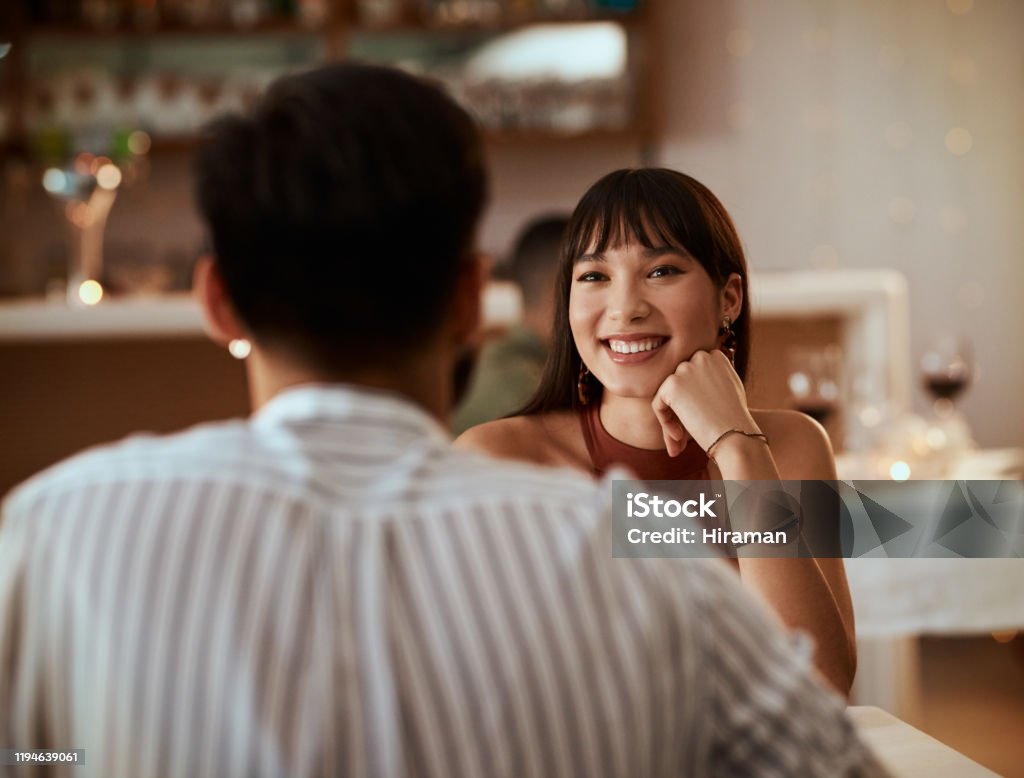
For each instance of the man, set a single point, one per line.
(509, 368)
(327, 588)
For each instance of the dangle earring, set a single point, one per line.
(728, 345)
(582, 385)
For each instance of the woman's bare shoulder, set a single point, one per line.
(800, 445)
(540, 438)
(500, 437)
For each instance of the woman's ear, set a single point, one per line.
(221, 322)
(732, 296)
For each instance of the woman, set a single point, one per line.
(650, 346)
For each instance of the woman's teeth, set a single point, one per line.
(634, 346)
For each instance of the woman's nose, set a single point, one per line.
(626, 303)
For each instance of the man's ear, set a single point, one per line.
(732, 296)
(219, 317)
(467, 305)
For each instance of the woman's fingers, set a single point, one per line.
(672, 429)
(700, 399)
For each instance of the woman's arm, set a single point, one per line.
(703, 399)
(809, 594)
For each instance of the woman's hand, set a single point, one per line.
(702, 399)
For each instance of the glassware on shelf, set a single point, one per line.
(85, 187)
(814, 380)
(100, 14)
(312, 13)
(379, 13)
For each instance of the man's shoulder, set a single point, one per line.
(141, 456)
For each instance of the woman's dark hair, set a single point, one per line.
(341, 211)
(655, 207)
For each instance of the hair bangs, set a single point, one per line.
(619, 210)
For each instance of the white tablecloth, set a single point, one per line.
(898, 597)
(896, 600)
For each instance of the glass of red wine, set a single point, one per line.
(814, 381)
(946, 371)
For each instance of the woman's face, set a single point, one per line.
(636, 313)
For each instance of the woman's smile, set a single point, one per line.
(629, 349)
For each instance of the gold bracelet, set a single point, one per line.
(735, 431)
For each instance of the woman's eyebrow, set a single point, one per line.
(660, 251)
(595, 257)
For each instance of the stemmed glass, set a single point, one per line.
(87, 188)
(947, 368)
(946, 371)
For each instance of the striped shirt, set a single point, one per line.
(329, 588)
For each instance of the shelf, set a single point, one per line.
(502, 25)
(632, 134)
(499, 138)
(272, 29)
(285, 28)
(166, 316)
(190, 52)
(128, 318)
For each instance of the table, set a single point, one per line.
(907, 752)
(897, 600)
(894, 598)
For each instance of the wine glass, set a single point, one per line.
(946, 371)
(947, 368)
(814, 381)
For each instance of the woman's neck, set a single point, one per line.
(631, 420)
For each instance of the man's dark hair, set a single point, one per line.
(340, 211)
(534, 260)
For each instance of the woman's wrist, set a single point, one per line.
(749, 432)
(743, 457)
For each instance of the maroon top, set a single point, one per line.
(650, 465)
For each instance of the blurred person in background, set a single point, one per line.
(329, 587)
(650, 348)
(509, 368)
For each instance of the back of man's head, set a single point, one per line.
(341, 210)
(533, 264)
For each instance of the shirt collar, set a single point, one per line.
(340, 402)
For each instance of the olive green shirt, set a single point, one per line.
(506, 376)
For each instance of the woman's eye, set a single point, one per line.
(665, 270)
(592, 275)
